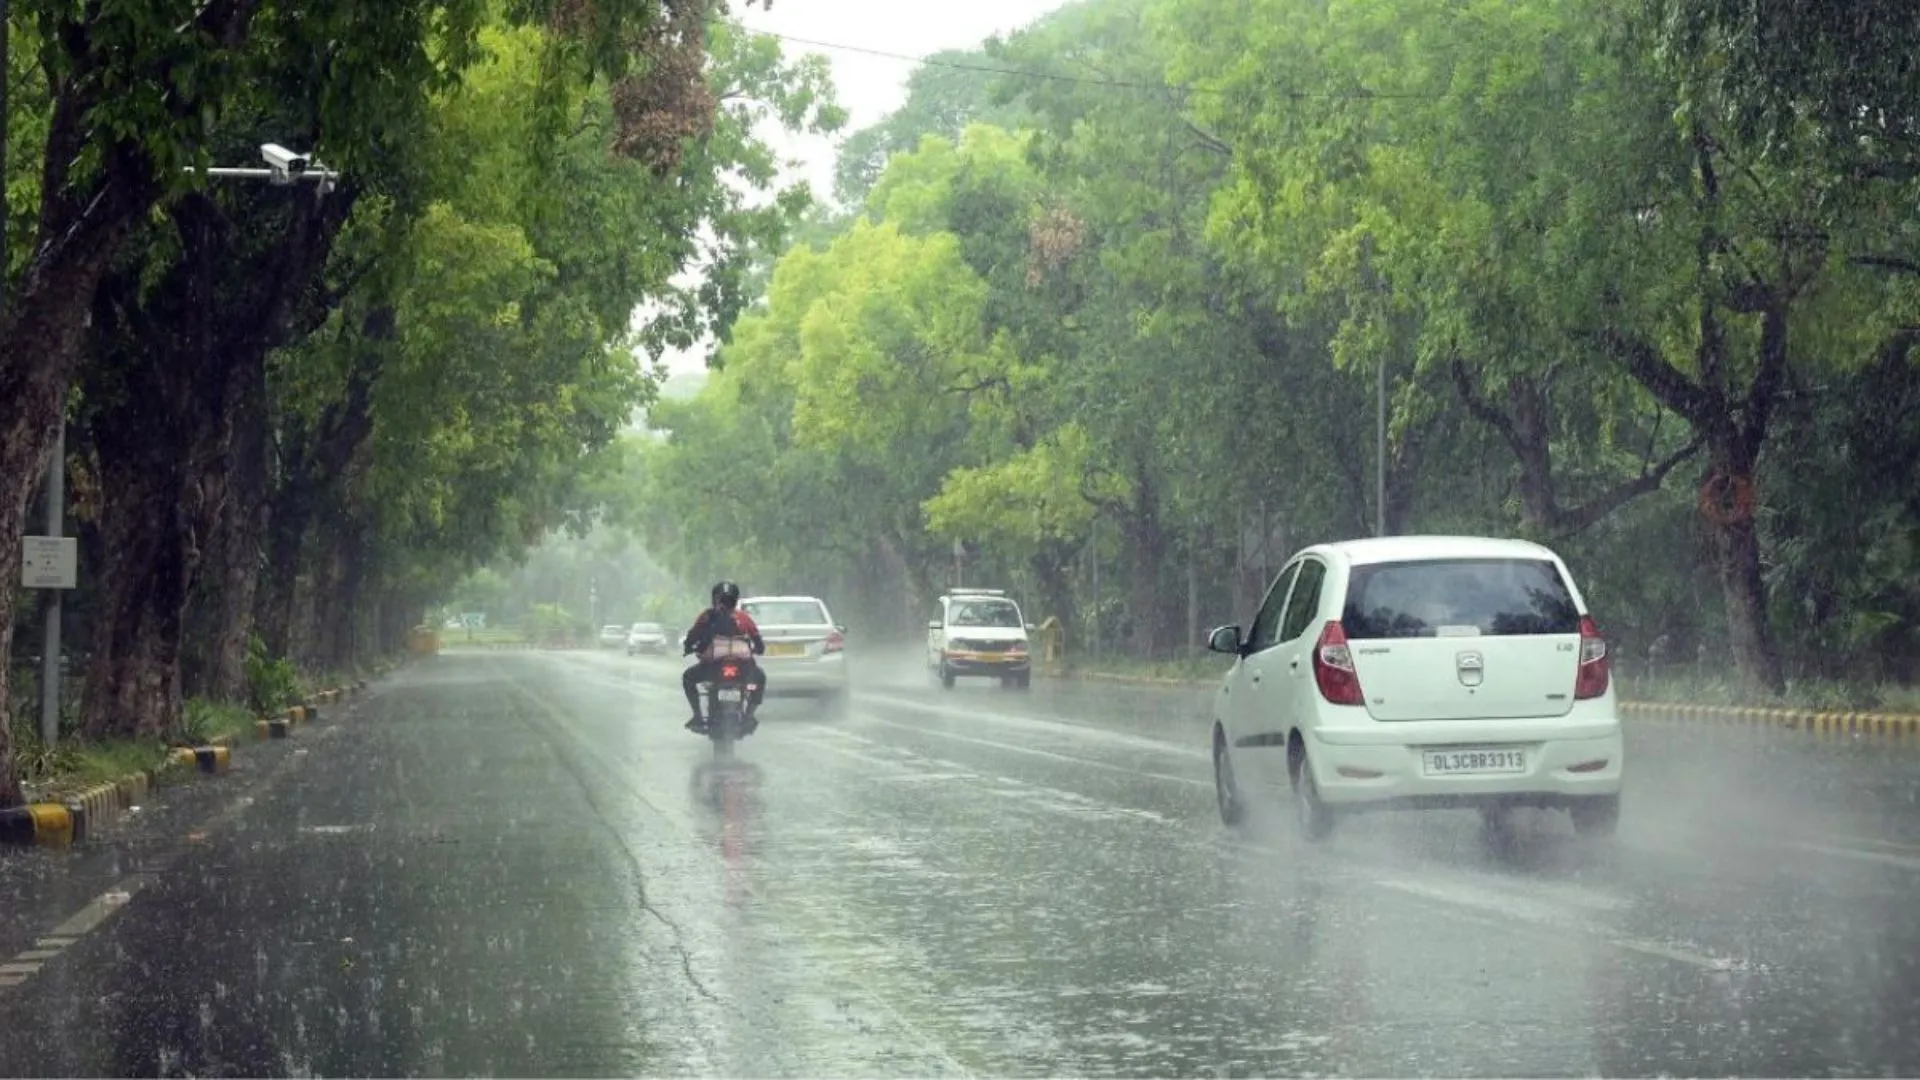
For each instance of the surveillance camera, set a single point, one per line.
(282, 160)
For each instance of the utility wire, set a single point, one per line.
(1114, 84)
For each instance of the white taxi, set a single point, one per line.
(979, 632)
(1420, 672)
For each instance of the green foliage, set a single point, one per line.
(1141, 328)
(203, 721)
(273, 684)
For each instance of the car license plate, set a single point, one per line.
(782, 648)
(1477, 762)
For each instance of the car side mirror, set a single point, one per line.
(933, 624)
(1225, 639)
(842, 627)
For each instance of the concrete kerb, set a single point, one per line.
(1847, 723)
(84, 815)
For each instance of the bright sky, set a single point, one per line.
(870, 87)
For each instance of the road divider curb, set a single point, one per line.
(41, 824)
(81, 816)
(1844, 722)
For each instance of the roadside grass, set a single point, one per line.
(1688, 686)
(1205, 667)
(204, 720)
(74, 766)
(1697, 687)
(68, 769)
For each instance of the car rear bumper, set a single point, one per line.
(803, 676)
(1388, 776)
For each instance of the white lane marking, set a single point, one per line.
(21, 969)
(1030, 750)
(1543, 915)
(36, 954)
(1065, 727)
(102, 907)
(1039, 795)
(1884, 858)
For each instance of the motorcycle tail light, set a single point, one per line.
(729, 671)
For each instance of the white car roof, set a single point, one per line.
(1405, 548)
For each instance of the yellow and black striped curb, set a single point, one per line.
(1817, 721)
(44, 824)
(76, 817)
(83, 815)
(216, 758)
(1820, 722)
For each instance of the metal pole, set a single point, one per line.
(50, 650)
(1093, 639)
(1380, 450)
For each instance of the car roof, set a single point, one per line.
(1381, 549)
(783, 600)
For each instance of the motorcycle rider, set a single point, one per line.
(723, 619)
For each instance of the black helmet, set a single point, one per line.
(726, 593)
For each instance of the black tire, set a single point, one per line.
(1314, 817)
(1597, 817)
(1023, 681)
(946, 677)
(1226, 787)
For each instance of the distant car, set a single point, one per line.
(979, 632)
(612, 636)
(646, 637)
(806, 650)
(1420, 672)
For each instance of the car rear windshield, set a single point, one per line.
(1432, 598)
(786, 613)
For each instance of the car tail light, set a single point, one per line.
(1017, 647)
(1333, 667)
(1594, 675)
(836, 641)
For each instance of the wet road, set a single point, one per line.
(518, 863)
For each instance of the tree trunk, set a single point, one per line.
(230, 573)
(133, 683)
(1051, 567)
(1146, 552)
(44, 331)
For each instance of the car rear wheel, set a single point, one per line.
(946, 677)
(1315, 817)
(1597, 817)
(1226, 789)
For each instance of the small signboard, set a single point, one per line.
(49, 562)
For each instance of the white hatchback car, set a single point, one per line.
(1418, 672)
(806, 650)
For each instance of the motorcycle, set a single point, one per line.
(728, 693)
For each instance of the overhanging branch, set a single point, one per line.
(1567, 523)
